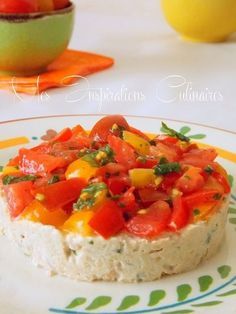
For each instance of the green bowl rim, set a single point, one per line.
(11, 17)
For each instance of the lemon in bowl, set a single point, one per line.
(201, 20)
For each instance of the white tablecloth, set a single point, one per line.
(155, 74)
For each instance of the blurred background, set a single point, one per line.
(155, 72)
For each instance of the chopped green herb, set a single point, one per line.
(116, 197)
(163, 160)
(217, 196)
(152, 142)
(99, 157)
(121, 205)
(196, 212)
(163, 169)
(89, 195)
(173, 133)
(208, 169)
(84, 152)
(91, 242)
(231, 180)
(10, 179)
(187, 177)
(1, 168)
(54, 179)
(109, 155)
(209, 237)
(90, 158)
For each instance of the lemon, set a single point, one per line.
(201, 20)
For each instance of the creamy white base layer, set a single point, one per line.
(122, 258)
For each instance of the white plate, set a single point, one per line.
(211, 288)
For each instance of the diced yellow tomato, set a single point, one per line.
(203, 211)
(78, 223)
(142, 177)
(138, 143)
(213, 184)
(45, 5)
(80, 169)
(9, 170)
(36, 212)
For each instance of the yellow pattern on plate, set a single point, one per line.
(11, 142)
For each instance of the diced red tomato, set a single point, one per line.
(191, 180)
(14, 161)
(42, 181)
(180, 214)
(223, 181)
(165, 139)
(18, 6)
(147, 163)
(189, 147)
(68, 208)
(163, 150)
(152, 223)
(108, 220)
(62, 136)
(18, 196)
(109, 170)
(44, 148)
(199, 157)
(200, 197)
(169, 180)
(67, 155)
(31, 162)
(102, 128)
(118, 184)
(67, 150)
(73, 144)
(127, 202)
(124, 153)
(59, 194)
(150, 195)
(78, 130)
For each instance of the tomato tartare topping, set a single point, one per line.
(115, 179)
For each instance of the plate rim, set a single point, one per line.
(125, 115)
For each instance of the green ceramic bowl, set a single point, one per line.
(30, 42)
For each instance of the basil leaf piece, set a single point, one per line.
(100, 157)
(89, 195)
(173, 133)
(9, 179)
(166, 168)
(208, 169)
(54, 179)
